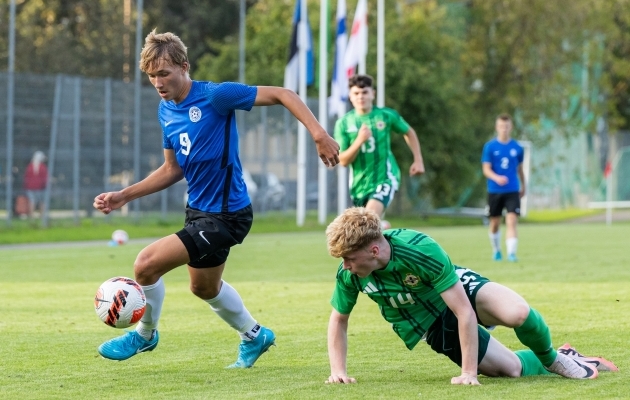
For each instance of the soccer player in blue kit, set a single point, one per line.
(200, 143)
(502, 165)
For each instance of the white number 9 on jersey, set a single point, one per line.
(184, 141)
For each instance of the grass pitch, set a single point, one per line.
(575, 275)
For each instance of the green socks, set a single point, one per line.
(534, 333)
(531, 364)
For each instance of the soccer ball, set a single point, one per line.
(120, 302)
(120, 237)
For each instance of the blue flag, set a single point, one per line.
(339, 87)
(292, 70)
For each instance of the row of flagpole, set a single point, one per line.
(299, 73)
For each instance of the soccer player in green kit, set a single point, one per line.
(425, 297)
(363, 135)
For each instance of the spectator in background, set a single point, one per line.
(35, 179)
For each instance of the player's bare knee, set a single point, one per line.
(520, 313)
(143, 272)
(204, 291)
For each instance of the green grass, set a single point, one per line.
(575, 275)
(559, 215)
(153, 225)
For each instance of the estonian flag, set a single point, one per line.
(292, 70)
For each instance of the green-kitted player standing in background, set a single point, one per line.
(363, 135)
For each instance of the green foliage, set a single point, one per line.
(50, 332)
(451, 66)
(425, 84)
(268, 31)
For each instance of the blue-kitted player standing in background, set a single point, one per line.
(502, 163)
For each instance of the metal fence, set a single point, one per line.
(86, 129)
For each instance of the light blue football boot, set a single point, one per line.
(512, 258)
(497, 256)
(127, 346)
(250, 350)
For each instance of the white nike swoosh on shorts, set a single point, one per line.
(203, 237)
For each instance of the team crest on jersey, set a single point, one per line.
(411, 280)
(513, 152)
(194, 113)
(380, 125)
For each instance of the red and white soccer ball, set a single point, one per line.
(120, 237)
(120, 302)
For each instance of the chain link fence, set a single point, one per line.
(86, 129)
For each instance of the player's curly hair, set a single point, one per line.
(353, 230)
(159, 46)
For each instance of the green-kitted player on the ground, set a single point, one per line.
(363, 135)
(424, 296)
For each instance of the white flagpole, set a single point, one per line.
(342, 187)
(380, 54)
(301, 140)
(362, 62)
(322, 204)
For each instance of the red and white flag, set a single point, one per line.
(356, 50)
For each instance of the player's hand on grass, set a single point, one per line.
(340, 378)
(465, 379)
(107, 202)
(328, 150)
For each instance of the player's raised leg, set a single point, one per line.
(151, 264)
(225, 301)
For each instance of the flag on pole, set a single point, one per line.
(357, 45)
(339, 87)
(292, 70)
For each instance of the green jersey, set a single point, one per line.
(375, 164)
(408, 289)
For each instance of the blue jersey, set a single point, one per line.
(202, 132)
(504, 159)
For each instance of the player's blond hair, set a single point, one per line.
(158, 46)
(353, 230)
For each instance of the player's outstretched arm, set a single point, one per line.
(166, 175)
(338, 348)
(455, 299)
(327, 147)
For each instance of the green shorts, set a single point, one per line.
(443, 335)
(383, 193)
